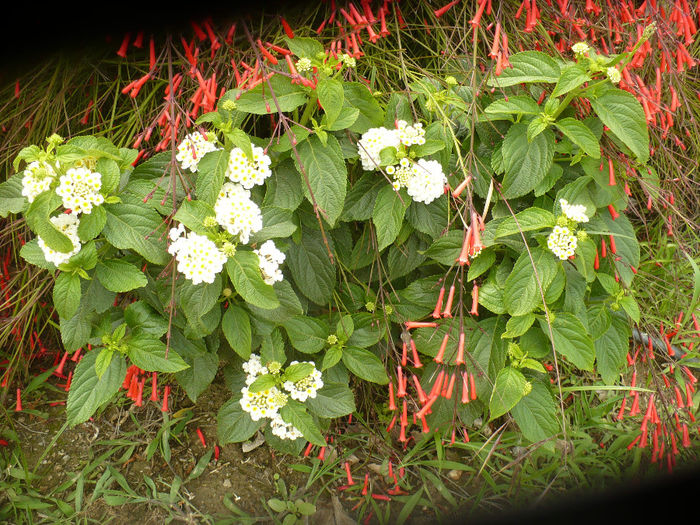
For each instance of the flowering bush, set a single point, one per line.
(289, 247)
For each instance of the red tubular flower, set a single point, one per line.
(451, 386)
(493, 53)
(475, 300)
(18, 405)
(611, 173)
(679, 398)
(268, 56)
(472, 386)
(154, 386)
(613, 248)
(349, 476)
(201, 437)
(166, 393)
(421, 413)
(392, 403)
(444, 9)
(477, 246)
(462, 185)
(603, 249)
(59, 370)
(424, 424)
(466, 247)
(438, 305)
(477, 17)
(460, 350)
(416, 360)
(596, 261)
(422, 398)
(465, 388)
(435, 390)
(404, 413)
(447, 312)
(322, 453)
(612, 211)
(420, 324)
(441, 353)
(125, 44)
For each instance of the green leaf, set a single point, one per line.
(278, 224)
(244, 270)
(431, 219)
(515, 105)
(131, 226)
(111, 175)
(536, 126)
(307, 334)
(623, 114)
(572, 76)
(298, 371)
(360, 199)
(234, 425)
(366, 332)
(611, 350)
(365, 365)
(88, 392)
(211, 171)
(203, 365)
(66, 294)
(571, 340)
(37, 217)
(511, 386)
(198, 299)
(629, 304)
(236, 327)
(491, 297)
(431, 146)
(192, 215)
(371, 114)
(578, 133)
(331, 357)
(330, 94)
(11, 199)
(91, 224)
(304, 47)
(536, 413)
(311, 267)
(527, 66)
(625, 242)
(148, 353)
(263, 382)
(295, 413)
(104, 358)
(259, 102)
(445, 249)
(33, 254)
(522, 292)
(388, 214)
(119, 276)
(481, 263)
(527, 220)
(241, 140)
(526, 163)
(518, 325)
(327, 175)
(333, 400)
(140, 316)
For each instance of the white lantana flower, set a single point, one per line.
(80, 190)
(237, 213)
(347, 60)
(198, 258)
(562, 242)
(580, 48)
(372, 142)
(265, 403)
(304, 388)
(282, 429)
(303, 64)
(574, 212)
(428, 183)
(270, 259)
(248, 173)
(613, 75)
(410, 135)
(37, 178)
(67, 223)
(191, 150)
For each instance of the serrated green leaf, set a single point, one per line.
(571, 340)
(387, 216)
(211, 171)
(66, 294)
(295, 413)
(371, 114)
(611, 349)
(234, 425)
(11, 199)
(307, 334)
(522, 292)
(259, 102)
(91, 224)
(130, 226)
(572, 76)
(578, 133)
(244, 270)
(526, 220)
(311, 267)
(515, 105)
(331, 97)
(536, 413)
(148, 353)
(192, 215)
(235, 324)
(365, 365)
(510, 387)
(527, 66)
(526, 163)
(140, 316)
(331, 401)
(119, 276)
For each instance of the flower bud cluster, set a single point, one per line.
(191, 150)
(80, 190)
(270, 260)
(245, 171)
(304, 388)
(37, 179)
(198, 258)
(562, 242)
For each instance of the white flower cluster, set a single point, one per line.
(428, 183)
(303, 64)
(304, 388)
(80, 190)
(614, 75)
(67, 224)
(265, 403)
(372, 142)
(270, 260)
(191, 150)
(240, 168)
(236, 212)
(574, 212)
(562, 242)
(197, 257)
(410, 135)
(37, 178)
(580, 48)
